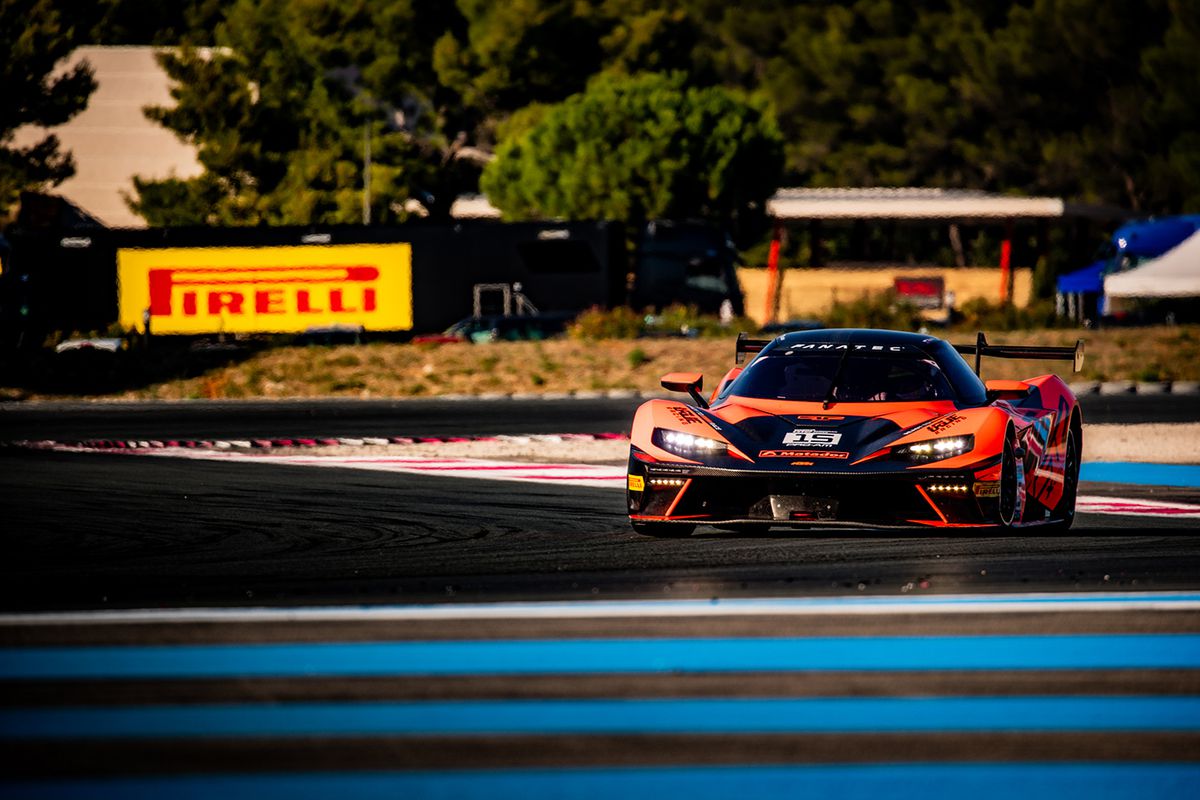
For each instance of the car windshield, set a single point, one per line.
(862, 378)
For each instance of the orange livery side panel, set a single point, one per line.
(674, 416)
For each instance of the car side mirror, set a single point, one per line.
(1007, 390)
(690, 382)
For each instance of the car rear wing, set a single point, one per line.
(747, 345)
(981, 348)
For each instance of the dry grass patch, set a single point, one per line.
(406, 370)
(1137, 354)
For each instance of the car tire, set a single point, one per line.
(666, 530)
(1012, 483)
(1063, 514)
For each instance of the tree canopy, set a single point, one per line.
(34, 38)
(142, 22)
(283, 109)
(1094, 102)
(1066, 97)
(639, 148)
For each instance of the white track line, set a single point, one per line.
(591, 475)
(1092, 504)
(620, 609)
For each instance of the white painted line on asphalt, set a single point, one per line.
(600, 475)
(590, 475)
(1091, 504)
(1050, 602)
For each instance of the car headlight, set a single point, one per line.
(935, 449)
(688, 445)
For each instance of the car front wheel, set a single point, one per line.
(1012, 483)
(1064, 512)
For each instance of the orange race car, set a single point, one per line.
(859, 427)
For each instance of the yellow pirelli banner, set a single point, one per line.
(266, 289)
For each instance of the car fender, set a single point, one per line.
(1045, 438)
(728, 379)
(675, 416)
(987, 424)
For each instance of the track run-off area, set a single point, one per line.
(238, 623)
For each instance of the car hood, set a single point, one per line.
(768, 431)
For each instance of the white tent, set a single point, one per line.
(1176, 273)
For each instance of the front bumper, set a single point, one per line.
(921, 499)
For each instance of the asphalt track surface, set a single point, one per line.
(650, 700)
(1042, 702)
(98, 530)
(303, 418)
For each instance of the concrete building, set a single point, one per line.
(112, 140)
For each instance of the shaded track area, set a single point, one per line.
(316, 418)
(1046, 700)
(97, 530)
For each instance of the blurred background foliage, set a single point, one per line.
(1095, 102)
(640, 148)
(874, 310)
(34, 37)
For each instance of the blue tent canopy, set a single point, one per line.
(1090, 279)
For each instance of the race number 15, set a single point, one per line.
(812, 437)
